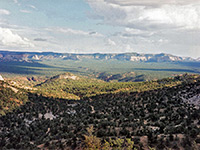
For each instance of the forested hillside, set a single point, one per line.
(11, 97)
(160, 114)
(69, 86)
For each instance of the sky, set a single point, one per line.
(101, 26)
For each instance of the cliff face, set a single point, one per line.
(31, 56)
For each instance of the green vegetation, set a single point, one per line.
(10, 98)
(151, 70)
(101, 69)
(92, 142)
(87, 87)
(156, 114)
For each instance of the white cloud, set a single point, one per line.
(4, 12)
(71, 31)
(187, 16)
(163, 41)
(32, 6)
(147, 26)
(25, 11)
(109, 13)
(10, 39)
(74, 32)
(15, 1)
(111, 42)
(129, 48)
(146, 17)
(137, 32)
(151, 2)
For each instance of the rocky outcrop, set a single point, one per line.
(1, 78)
(66, 76)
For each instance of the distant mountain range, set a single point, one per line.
(37, 56)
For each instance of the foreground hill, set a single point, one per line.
(163, 118)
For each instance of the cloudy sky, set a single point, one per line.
(89, 26)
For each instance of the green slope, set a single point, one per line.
(60, 87)
(11, 97)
